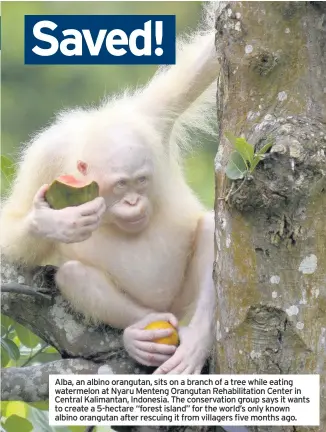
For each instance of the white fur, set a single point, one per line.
(111, 273)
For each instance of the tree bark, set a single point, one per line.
(270, 269)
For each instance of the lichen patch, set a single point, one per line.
(105, 370)
(275, 280)
(292, 310)
(282, 96)
(255, 354)
(308, 265)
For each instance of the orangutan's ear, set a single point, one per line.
(82, 167)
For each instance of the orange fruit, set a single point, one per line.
(173, 339)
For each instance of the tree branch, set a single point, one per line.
(31, 384)
(22, 289)
(83, 347)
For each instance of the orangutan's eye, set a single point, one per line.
(142, 179)
(121, 183)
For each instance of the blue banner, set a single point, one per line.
(100, 39)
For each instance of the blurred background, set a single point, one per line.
(31, 95)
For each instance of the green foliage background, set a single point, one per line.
(30, 95)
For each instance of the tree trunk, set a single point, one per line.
(270, 269)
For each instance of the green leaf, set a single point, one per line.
(40, 420)
(242, 146)
(236, 167)
(231, 138)
(11, 348)
(50, 350)
(255, 162)
(40, 405)
(3, 330)
(5, 359)
(7, 168)
(26, 337)
(259, 156)
(263, 150)
(4, 405)
(16, 408)
(14, 423)
(6, 321)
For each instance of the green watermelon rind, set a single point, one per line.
(61, 195)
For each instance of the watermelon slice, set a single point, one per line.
(67, 191)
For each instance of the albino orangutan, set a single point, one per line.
(143, 250)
